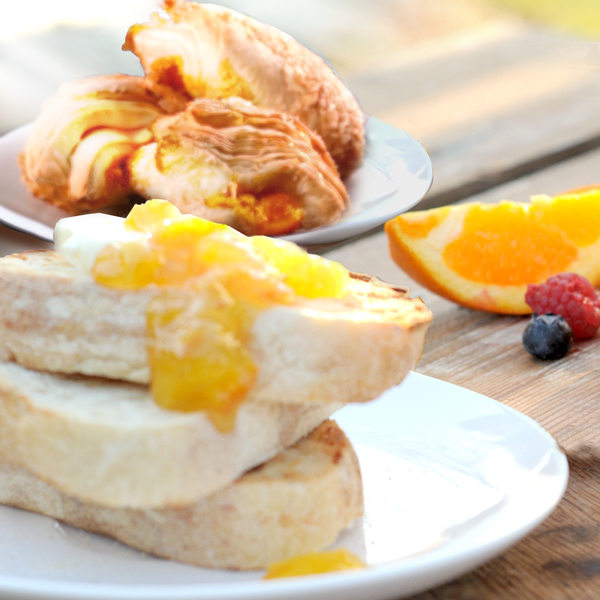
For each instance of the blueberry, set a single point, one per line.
(548, 336)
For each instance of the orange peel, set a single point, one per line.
(483, 256)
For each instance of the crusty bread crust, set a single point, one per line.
(56, 320)
(109, 443)
(297, 502)
(352, 349)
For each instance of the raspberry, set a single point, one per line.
(571, 296)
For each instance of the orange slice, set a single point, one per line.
(483, 256)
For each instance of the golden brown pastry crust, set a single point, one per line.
(239, 149)
(102, 141)
(76, 153)
(267, 168)
(206, 50)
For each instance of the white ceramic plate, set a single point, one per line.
(452, 478)
(395, 175)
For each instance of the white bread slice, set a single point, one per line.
(351, 349)
(108, 442)
(297, 502)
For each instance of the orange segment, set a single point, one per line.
(483, 256)
(582, 226)
(482, 252)
(420, 228)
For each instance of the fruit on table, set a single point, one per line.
(571, 296)
(548, 337)
(483, 256)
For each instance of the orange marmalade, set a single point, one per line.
(315, 563)
(213, 282)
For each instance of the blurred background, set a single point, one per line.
(43, 43)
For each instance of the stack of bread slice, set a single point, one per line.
(82, 441)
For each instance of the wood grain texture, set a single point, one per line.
(492, 108)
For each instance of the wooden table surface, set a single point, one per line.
(509, 112)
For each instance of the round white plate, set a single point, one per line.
(451, 478)
(395, 175)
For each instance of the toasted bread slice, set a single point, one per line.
(108, 442)
(351, 349)
(297, 502)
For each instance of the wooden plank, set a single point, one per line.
(485, 110)
(483, 352)
(14, 241)
(426, 71)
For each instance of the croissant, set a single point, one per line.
(204, 50)
(258, 170)
(101, 141)
(76, 154)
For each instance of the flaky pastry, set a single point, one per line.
(204, 50)
(255, 169)
(76, 154)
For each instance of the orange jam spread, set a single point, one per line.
(168, 70)
(315, 563)
(232, 83)
(308, 275)
(271, 214)
(213, 282)
(198, 341)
